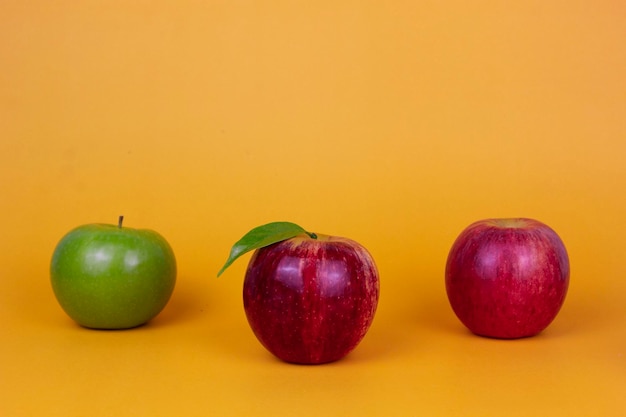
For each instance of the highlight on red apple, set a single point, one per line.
(507, 278)
(309, 298)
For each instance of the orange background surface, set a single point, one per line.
(394, 123)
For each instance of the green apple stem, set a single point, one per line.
(120, 220)
(312, 235)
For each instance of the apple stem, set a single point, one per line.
(312, 235)
(120, 220)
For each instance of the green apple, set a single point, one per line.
(112, 277)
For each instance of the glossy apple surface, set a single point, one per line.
(311, 301)
(507, 278)
(112, 277)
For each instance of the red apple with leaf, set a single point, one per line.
(507, 278)
(309, 298)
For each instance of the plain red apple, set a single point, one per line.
(311, 299)
(507, 278)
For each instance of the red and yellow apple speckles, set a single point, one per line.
(311, 300)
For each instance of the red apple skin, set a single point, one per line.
(507, 278)
(311, 301)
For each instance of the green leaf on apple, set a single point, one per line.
(262, 236)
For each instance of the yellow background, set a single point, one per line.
(393, 123)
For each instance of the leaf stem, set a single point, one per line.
(263, 236)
